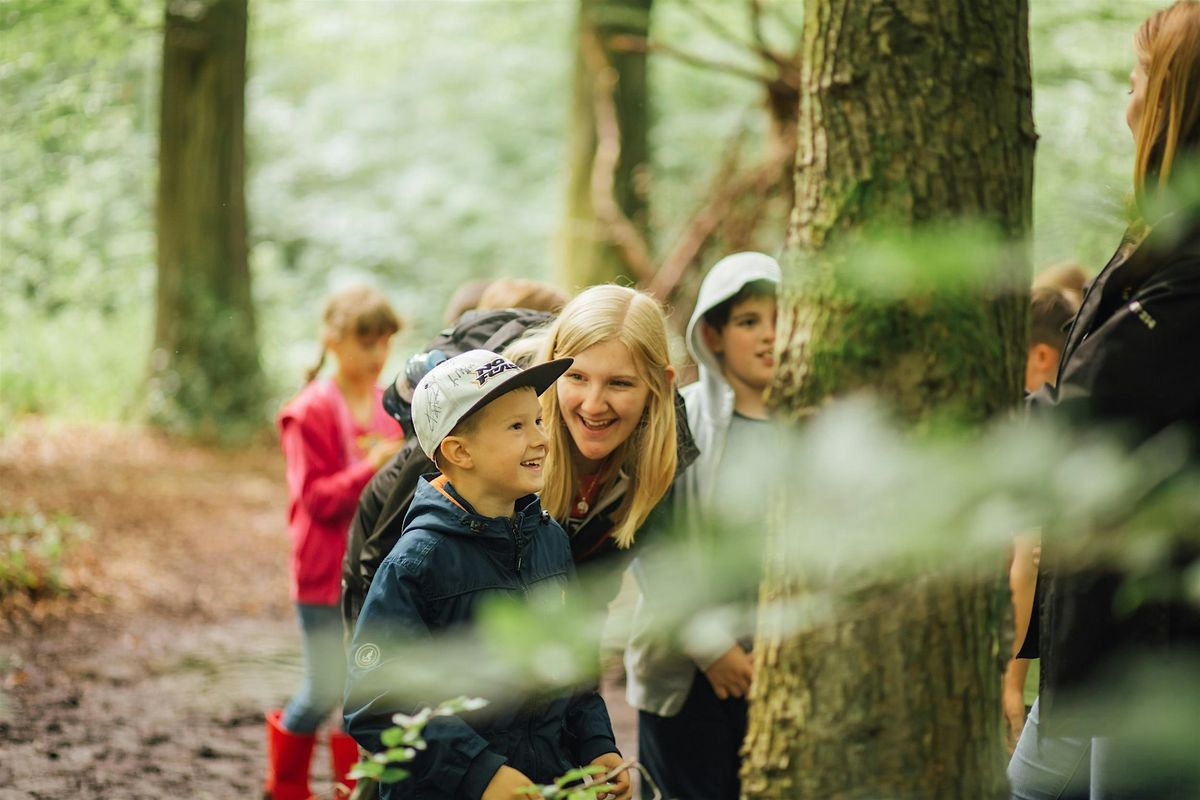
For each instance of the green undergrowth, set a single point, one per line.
(33, 545)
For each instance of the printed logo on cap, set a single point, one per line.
(492, 369)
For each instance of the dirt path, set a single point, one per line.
(150, 679)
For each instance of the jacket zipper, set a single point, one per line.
(519, 545)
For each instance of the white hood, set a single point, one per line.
(710, 400)
(723, 281)
(660, 675)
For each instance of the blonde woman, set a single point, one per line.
(616, 437)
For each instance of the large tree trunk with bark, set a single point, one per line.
(205, 374)
(595, 211)
(912, 112)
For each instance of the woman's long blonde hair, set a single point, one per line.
(597, 315)
(1168, 46)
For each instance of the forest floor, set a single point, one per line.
(149, 677)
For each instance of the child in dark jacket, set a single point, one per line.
(470, 533)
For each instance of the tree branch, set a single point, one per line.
(621, 230)
(706, 221)
(715, 25)
(640, 44)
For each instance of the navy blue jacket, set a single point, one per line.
(450, 560)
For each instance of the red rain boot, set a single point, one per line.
(343, 751)
(288, 757)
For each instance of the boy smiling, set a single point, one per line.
(475, 531)
(690, 696)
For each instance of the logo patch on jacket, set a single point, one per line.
(1142, 314)
(366, 656)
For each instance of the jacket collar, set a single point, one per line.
(437, 505)
(1136, 260)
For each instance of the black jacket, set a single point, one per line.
(377, 525)
(449, 561)
(1132, 362)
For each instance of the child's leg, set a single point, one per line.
(694, 754)
(324, 669)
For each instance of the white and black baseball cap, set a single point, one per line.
(458, 387)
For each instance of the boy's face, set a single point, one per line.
(746, 345)
(508, 445)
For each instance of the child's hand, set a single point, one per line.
(504, 785)
(622, 786)
(731, 674)
(382, 452)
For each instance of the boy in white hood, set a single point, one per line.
(691, 697)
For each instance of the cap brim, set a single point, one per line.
(540, 378)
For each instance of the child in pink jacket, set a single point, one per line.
(335, 435)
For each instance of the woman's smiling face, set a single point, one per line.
(601, 398)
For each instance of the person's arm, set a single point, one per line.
(587, 719)
(1013, 700)
(457, 758)
(365, 548)
(317, 471)
(1022, 581)
(669, 557)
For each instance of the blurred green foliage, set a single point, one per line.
(413, 144)
(32, 545)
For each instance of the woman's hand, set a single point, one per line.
(732, 673)
(622, 785)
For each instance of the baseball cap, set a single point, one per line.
(458, 387)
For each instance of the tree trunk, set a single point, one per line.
(912, 112)
(205, 375)
(587, 253)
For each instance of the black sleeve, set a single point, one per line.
(1031, 647)
(370, 505)
(412, 463)
(377, 525)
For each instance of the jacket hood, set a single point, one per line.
(437, 507)
(723, 281)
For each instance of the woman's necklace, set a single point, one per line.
(586, 490)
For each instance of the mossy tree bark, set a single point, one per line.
(205, 375)
(912, 113)
(588, 255)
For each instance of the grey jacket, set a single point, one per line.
(660, 671)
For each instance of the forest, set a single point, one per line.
(185, 185)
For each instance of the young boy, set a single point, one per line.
(1051, 310)
(691, 700)
(474, 531)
